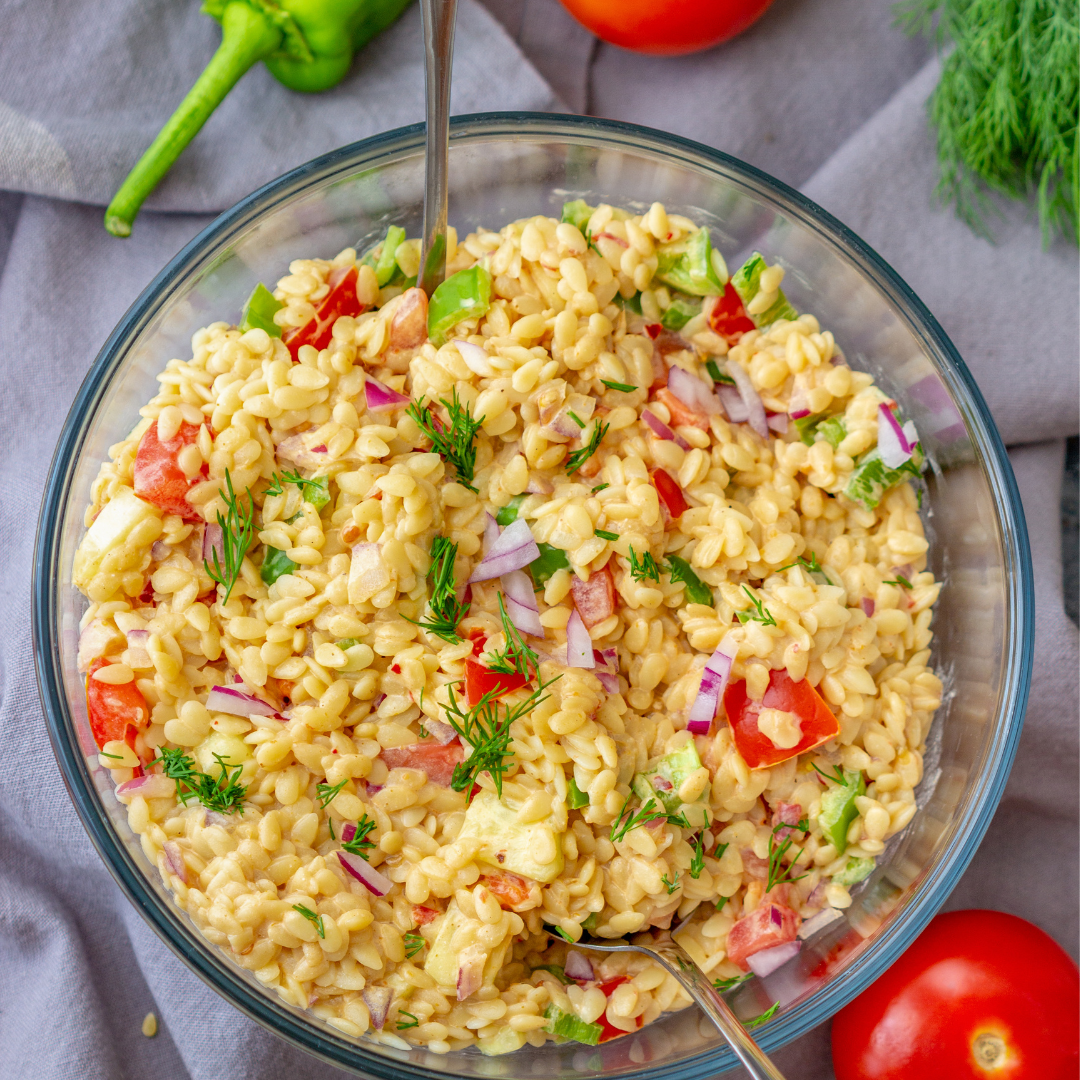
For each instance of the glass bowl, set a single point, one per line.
(506, 166)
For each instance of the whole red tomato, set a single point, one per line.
(666, 27)
(980, 996)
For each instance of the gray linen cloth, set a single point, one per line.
(822, 93)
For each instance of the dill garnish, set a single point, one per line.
(645, 568)
(580, 456)
(672, 885)
(325, 793)
(221, 794)
(724, 985)
(278, 482)
(360, 844)
(604, 534)
(779, 872)
(414, 943)
(627, 821)
(456, 444)
(446, 609)
(516, 657)
(764, 1018)
(413, 1021)
(622, 387)
(315, 920)
(761, 613)
(237, 526)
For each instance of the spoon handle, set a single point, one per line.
(678, 961)
(439, 17)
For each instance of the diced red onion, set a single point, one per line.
(537, 485)
(365, 873)
(818, 922)
(137, 639)
(521, 603)
(579, 650)
(174, 859)
(227, 699)
(377, 999)
(440, 732)
(661, 430)
(470, 976)
(149, 786)
(895, 443)
(692, 392)
(778, 422)
(734, 406)
(513, 550)
(906, 571)
(348, 831)
(294, 449)
(578, 967)
(714, 680)
(751, 399)
(159, 550)
(798, 406)
(476, 359)
(561, 424)
(213, 541)
(867, 605)
(381, 398)
(660, 783)
(767, 961)
(212, 817)
(607, 669)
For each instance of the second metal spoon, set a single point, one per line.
(677, 961)
(439, 17)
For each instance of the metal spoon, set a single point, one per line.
(677, 961)
(439, 17)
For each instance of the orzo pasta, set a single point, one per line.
(588, 597)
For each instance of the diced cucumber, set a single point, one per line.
(568, 1026)
(589, 925)
(259, 311)
(113, 525)
(576, 798)
(855, 871)
(509, 844)
(505, 1041)
(551, 559)
(317, 491)
(276, 564)
(673, 768)
(443, 956)
(687, 265)
(831, 429)
(872, 477)
(838, 809)
(746, 281)
(386, 266)
(508, 513)
(679, 312)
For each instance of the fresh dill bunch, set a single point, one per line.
(581, 455)
(645, 568)
(1006, 106)
(222, 794)
(360, 844)
(456, 443)
(237, 527)
(446, 609)
(628, 821)
(516, 657)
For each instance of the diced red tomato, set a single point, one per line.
(511, 890)
(610, 1031)
(480, 680)
(422, 915)
(340, 300)
(609, 987)
(478, 639)
(681, 413)
(116, 711)
(653, 330)
(768, 925)
(595, 598)
(728, 317)
(670, 493)
(783, 693)
(436, 760)
(158, 477)
(659, 369)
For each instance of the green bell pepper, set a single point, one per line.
(464, 295)
(681, 310)
(307, 45)
(576, 798)
(568, 1026)
(382, 258)
(838, 809)
(509, 513)
(697, 592)
(275, 564)
(687, 265)
(259, 312)
(745, 282)
(813, 428)
(577, 213)
(551, 559)
(855, 871)
(872, 477)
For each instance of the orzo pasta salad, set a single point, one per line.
(588, 597)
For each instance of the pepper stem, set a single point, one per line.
(247, 37)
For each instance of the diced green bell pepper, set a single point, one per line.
(629, 303)
(855, 871)
(838, 809)
(385, 266)
(577, 213)
(872, 477)
(464, 295)
(568, 1026)
(746, 280)
(717, 375)
(697, 592)
(275, 564)
(509, 512)
(811, 429)
(589, 925)
(687, 265)
(551, 559)
(576, 797)
(680, 311)
(317, 492)
(259, 312)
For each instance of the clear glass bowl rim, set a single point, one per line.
(382, 149)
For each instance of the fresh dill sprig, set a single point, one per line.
(222, 794)
(562, 933)
(446, 609)
(600, 487)
(697, 592)
(326, 793)
(629, 820)
(486, 728)
(671, 885)
(577, 419)
(1006, 104)
(456, 443)
(315, 920)
(580, 456)
(605, 534)
(413, 1021)
(811, 566)
(278, 482)
(645, 568)
(237, 527)
(360, 844)
(779, 871)
(764, 1018)
(118, 757)
(836, 775)
(760, 614)
(723, 985)
(516, 657)
(697, 862)
(622, 387)
(414, 943)
(901, 581)
(721, 902)
(718, 851)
